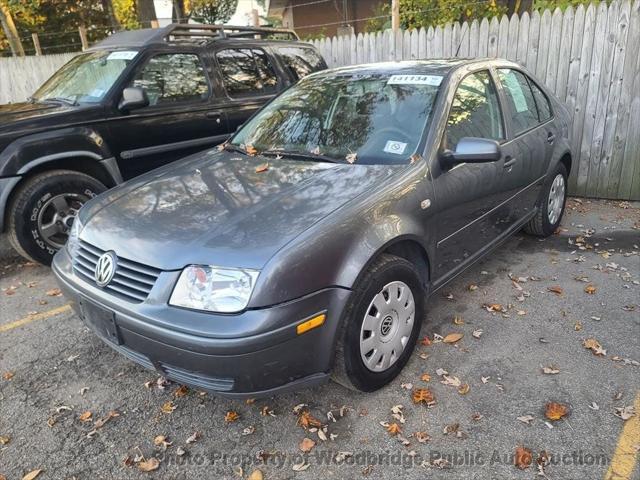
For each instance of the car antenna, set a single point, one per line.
(461, 38)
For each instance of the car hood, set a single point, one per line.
(223, 209)
(15, 112)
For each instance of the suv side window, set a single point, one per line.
(475, 111)
(524, 114)
(300, 61)
(542, 102)
(173, 77)
(246, 72)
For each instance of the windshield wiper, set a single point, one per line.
(229, 147)
(301, 155)
(69, 101)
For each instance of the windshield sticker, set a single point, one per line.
(433, 80)
(97, 92)
(395, 147)
(122, 55)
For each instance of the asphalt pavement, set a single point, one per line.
(72, 408)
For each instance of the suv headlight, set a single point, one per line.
(224, 290)
(73, 242)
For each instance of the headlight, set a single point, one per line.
(73, 242)
(224, 290)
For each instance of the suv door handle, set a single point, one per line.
(214, 115)
(551, 137)
(509, 162)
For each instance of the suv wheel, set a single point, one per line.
(380, 326)
(550, 205)
(44, 208)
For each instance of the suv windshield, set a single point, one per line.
(359, 118)
(87, 78)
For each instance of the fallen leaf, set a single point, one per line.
(453, 337)
(485, 379)
(101, 421)
(54, 292)
(168, 407)
(255, 475)
(526, 419)
(193, 438)
(300, 467)
(406, 386)
(593, 345)
(4, 439)
(473, 287)
(425, 342)
(464, 389)
(351, 157)
(477, 333)
(555, 289)
(251, 150)
(231, 416)
(32, 474)
(425, 377)
(590, 289)
(458, 320)
(625, 413)
(307, 444)
(394, 428)
(493, 307)
(594, 406)
(550, 370)
(422, 437)
(262, 168)
(149, 465)
(181, 391)
(8, 375)
(523, 458)
(306, 420)
(451, 381)
(555, 411)
(577, 327)
(85, 417)
(248, 430)
(423, 395)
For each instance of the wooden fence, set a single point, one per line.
(21, 76)
(590, 57)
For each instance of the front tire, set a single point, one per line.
(43, 209)
(380, 325)
(551, 204)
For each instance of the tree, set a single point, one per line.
(146, 13)
(10, 30)
(213, 11)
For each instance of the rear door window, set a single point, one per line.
(173, 78)
(542, 102)
(301, 61)
(524, 114)
(247, 72)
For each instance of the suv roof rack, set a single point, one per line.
(192, 32)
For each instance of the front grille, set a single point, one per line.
(132, 281)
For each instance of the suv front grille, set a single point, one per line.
(132, 281)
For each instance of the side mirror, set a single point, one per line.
(132, 98)
(472, 150)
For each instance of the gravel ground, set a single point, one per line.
(54, 370)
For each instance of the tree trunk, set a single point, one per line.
(107, 6)
(10, 30)
(146, 13)
(179, 14)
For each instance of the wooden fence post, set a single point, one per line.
(36, 43)
(83, 37)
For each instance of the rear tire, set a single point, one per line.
(368, 333)
(550, 205)
(43, 208)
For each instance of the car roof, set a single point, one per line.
(193, 34)
(442, 66)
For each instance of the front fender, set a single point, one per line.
(28, 152)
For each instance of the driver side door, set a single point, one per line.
(472, 199)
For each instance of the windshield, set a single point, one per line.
(87, 78)
(357, 118)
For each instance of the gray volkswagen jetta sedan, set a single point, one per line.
(306, 246)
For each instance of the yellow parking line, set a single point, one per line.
(33, 318)
(626, 454)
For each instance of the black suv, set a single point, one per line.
(135, 101)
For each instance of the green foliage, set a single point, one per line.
(213, 11)
(125, 12)
(542, 5)
(426, 13)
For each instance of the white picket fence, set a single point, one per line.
(590, 57)
(20, 77)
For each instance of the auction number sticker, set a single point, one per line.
(433, 80)
(122, 55)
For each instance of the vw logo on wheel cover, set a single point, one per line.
(105, 269)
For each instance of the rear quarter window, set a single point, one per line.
(247, 72)
(301, 61)
(542, 102)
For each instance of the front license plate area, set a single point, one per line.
(100, 320)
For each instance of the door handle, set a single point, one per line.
(509, 162)
(213, 115)
(551, 137)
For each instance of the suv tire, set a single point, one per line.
(550, 205)
(43, 208)
(362, 339)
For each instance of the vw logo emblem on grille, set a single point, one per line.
(105, 268)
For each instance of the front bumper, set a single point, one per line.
(207, 351)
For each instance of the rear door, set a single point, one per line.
(528, 140)
(183, 115)
(471, 198)
(250, 78)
